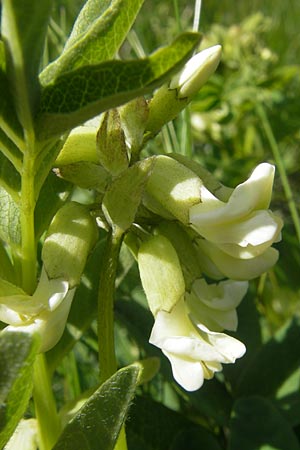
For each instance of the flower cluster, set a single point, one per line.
(205, 230)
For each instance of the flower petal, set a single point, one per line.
(253, 194)
(189, 374)
(231, 267)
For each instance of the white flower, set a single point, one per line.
(196, 71)
(45, 312)
(242, 227)
(217, 264)
(214, 305)
(194, 351)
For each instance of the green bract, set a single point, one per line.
(69, 240)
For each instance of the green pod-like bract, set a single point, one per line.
(160, 273)
(70, 238)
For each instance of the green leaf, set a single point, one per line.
(85, 92)
(257, 424)
(10, 179)
(9, 219)
(17, 354)
(98, 423)
(155, 427)
(23, 26)
(273, 363)
(123, 197)
(97, 35)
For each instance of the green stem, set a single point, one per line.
(281, 168)
(27, 225)
(107, 357)
(45, 407)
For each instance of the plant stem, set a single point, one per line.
(45, 407)
(107, 357)
(106, 295)
(27, 225)
(280, 164)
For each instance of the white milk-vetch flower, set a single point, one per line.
(194, 351)
(242, 227)
(214, 305)
(45, 312)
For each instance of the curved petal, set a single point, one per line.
(49, 325)
(253, 194)
(222, 296)
(251, 236)
(234, 268)
(229, 347)
(189, 374)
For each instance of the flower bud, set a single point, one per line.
(196, 71)
(172, 189)
(171, 98)
(69, 240)
(111, 146)
(160, 274)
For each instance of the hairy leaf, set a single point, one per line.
(98, 32)
(17, 354)
(98, 423)
(85, 92)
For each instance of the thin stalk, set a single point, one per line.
(107, 357)
(186, 139)
(177, 15)
(280, 165)
(45, 408)
(106, 341)
(28, 248)
(197, 15)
